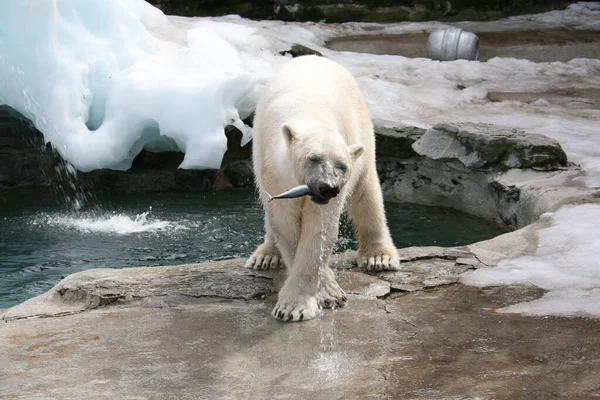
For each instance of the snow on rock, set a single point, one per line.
(565, 264)
(585, 6)
(104, 78)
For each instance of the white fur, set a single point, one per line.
(313, 105)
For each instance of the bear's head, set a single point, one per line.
(321, 158)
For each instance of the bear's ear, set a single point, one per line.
(289, 133)
(356, 150)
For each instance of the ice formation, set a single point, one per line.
(104, 78)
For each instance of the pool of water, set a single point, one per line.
(42, 239)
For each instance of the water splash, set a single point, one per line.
(331, 366)
(111, 223)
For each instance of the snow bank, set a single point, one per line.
(104, 78)
(565, 264)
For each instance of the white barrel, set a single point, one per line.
(452, 44)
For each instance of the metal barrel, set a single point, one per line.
(452, 44)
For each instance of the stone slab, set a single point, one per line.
(204, 331)
(441, 343)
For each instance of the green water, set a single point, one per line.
(42, 240)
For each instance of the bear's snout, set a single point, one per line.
(328, 189)
(323, 191)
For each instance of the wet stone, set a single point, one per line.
(173, 337)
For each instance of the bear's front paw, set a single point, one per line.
(266, 256)
(295, 308)
(385, 260)
(331, 295)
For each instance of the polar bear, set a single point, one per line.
(312, 127)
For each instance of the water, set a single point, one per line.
(42, 240)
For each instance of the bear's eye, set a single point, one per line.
(342, 167)
(314, 158)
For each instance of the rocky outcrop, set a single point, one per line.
(24, 159)
(502, 175)
(486, 147)
(298, 50)
(240, 173)
(396, 142)
(359, 10)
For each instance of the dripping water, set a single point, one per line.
(328, 362)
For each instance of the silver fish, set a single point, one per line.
(297, 191)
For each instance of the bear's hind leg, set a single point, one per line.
(266, 256)
(376, 250)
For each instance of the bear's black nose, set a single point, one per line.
(327, 190)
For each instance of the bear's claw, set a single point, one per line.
(290, 309)
(265, 257)
(295, 305)
(379, 262)
(331, 296)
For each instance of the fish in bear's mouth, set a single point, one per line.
(302, 190)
